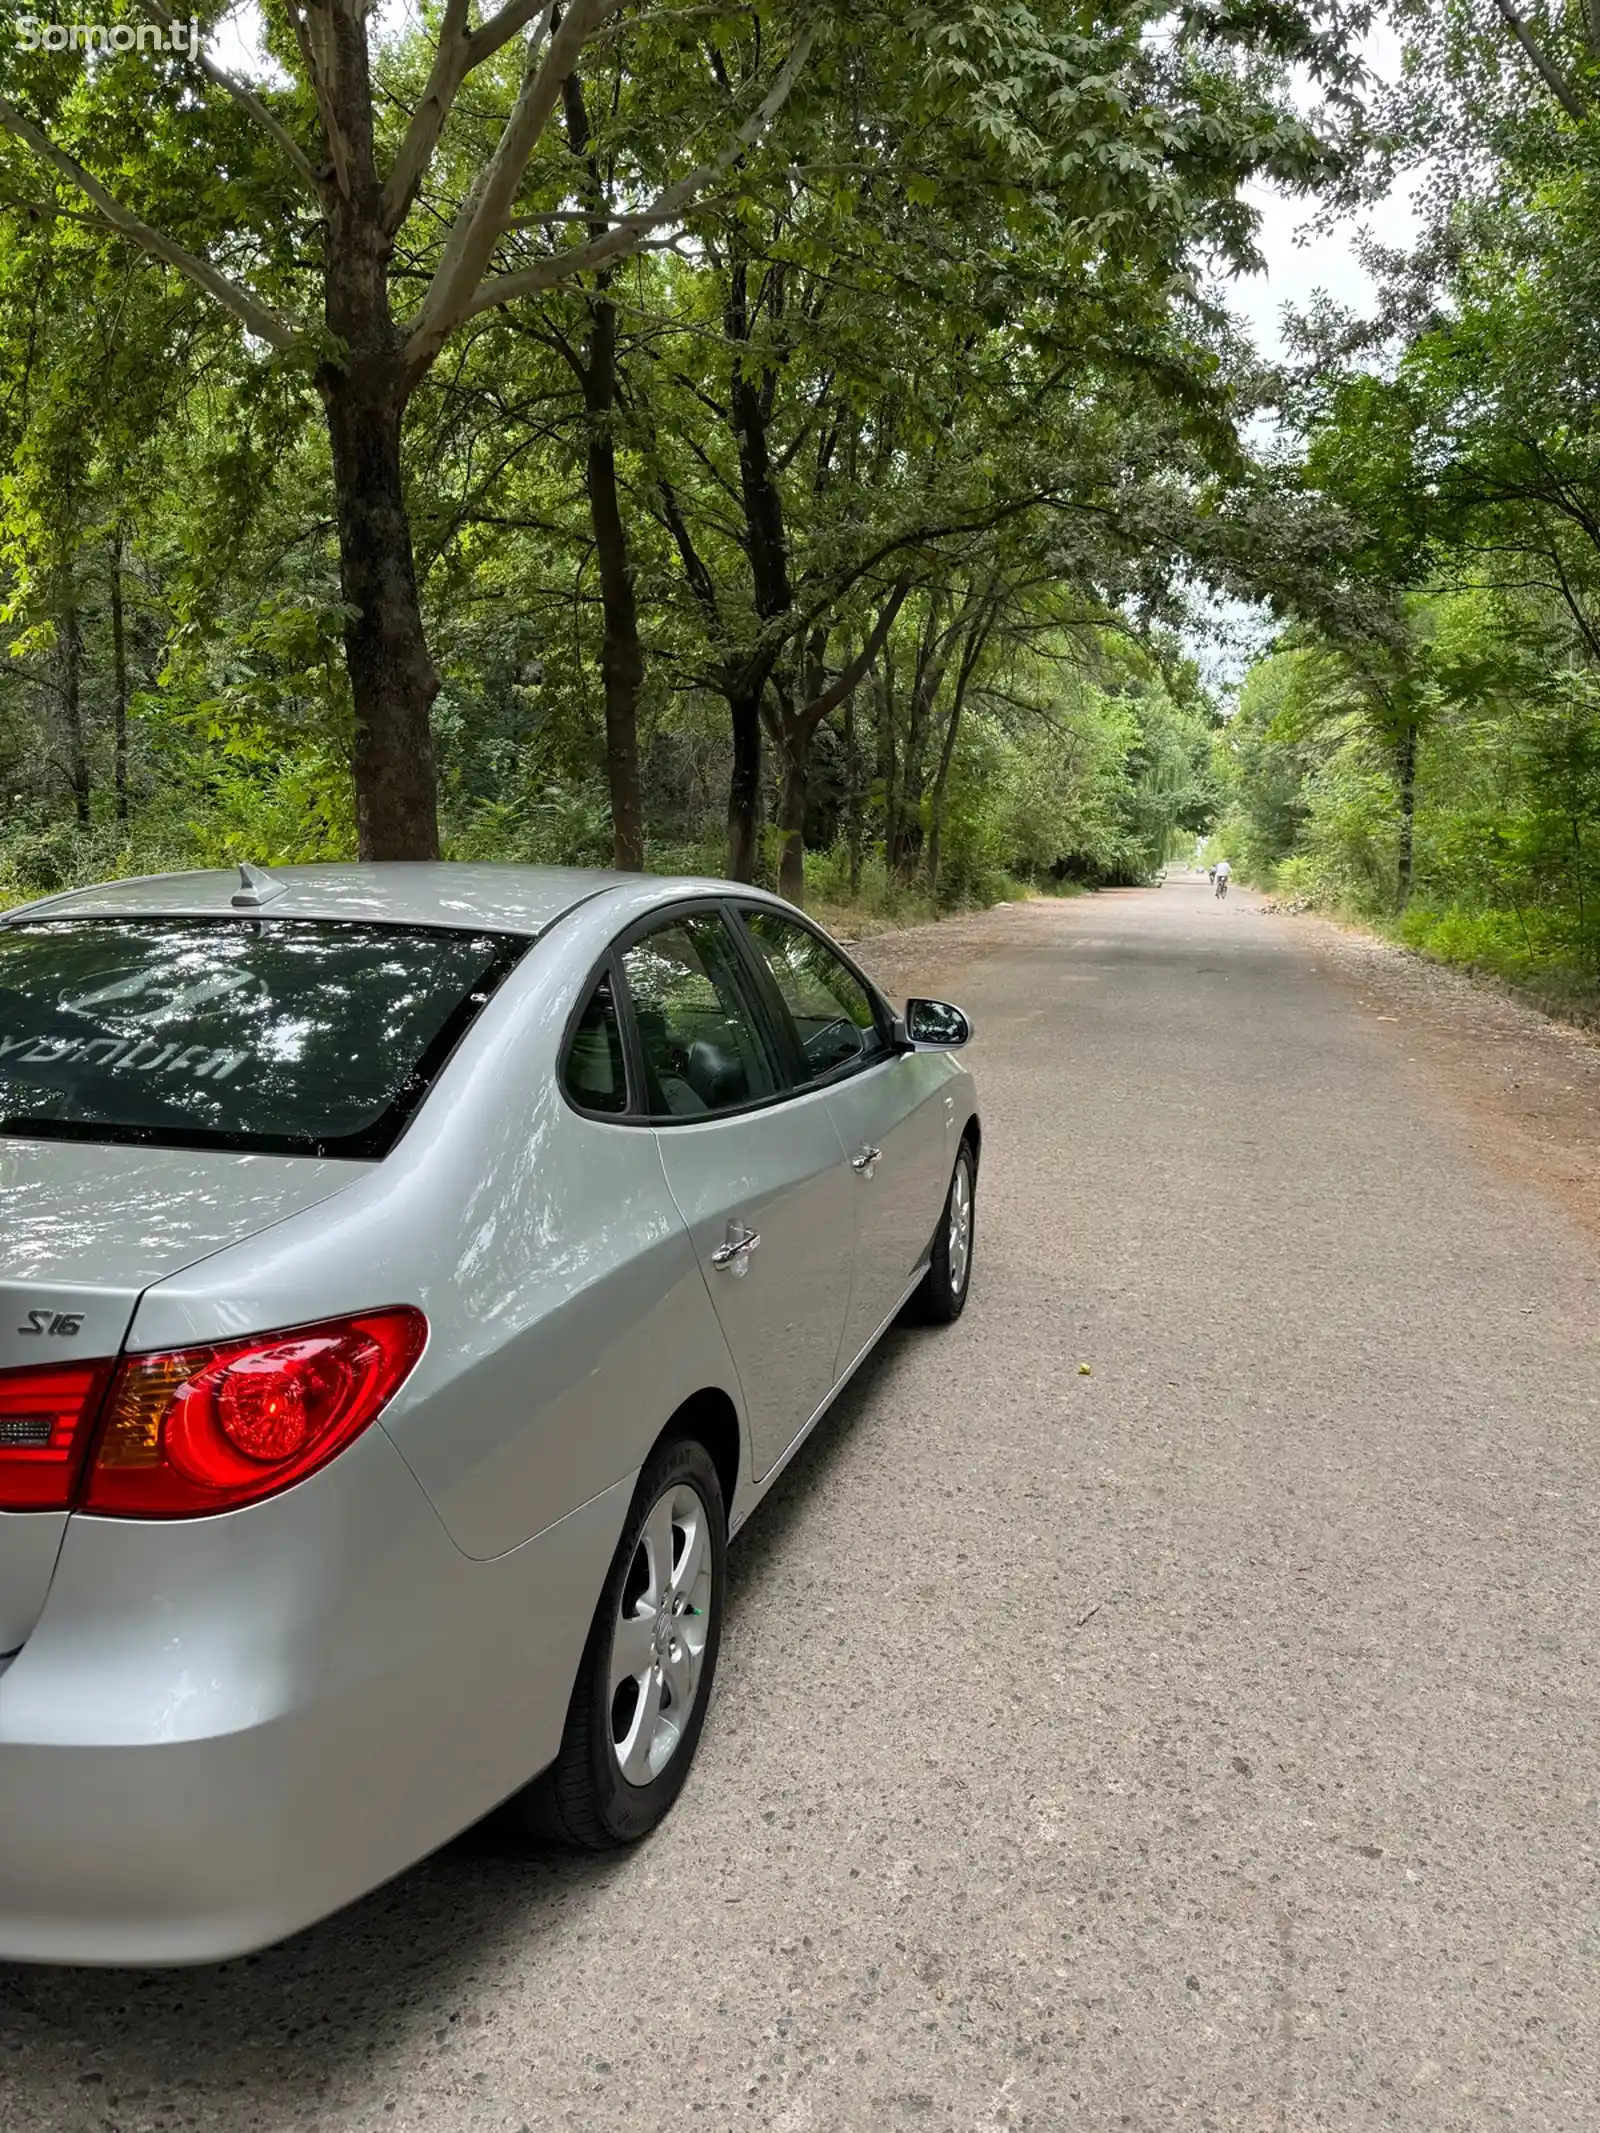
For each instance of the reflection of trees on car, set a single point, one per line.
(308, 1037)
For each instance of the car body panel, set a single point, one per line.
(898, 1108)
(30, 1541)
(393, 892)
(84, 1219)
(781, 1172)
(608, 1332)
(311, 1695)
(531, 1397)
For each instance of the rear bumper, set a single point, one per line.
(221, 1731)
(184, 1854)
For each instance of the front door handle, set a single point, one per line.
(734, 1256)
(867, 1161)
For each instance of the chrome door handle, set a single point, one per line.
(866, 1161)
(734, 1256)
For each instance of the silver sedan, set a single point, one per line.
(410, 1278)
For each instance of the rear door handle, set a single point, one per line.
(734, 1256)
(867, 1161)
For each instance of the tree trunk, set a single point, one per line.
(621, 654)
(364, 387)
(71, 657)
(744, 785)
(119, 665)
(766, 544)
(852, 794)
(926, 682)
(392, 679)
(1408, 813)
(796, 729)
(971, 652)
(792, 816)
(934, 854)
(886, 761)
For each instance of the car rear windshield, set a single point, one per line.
(281, 1036)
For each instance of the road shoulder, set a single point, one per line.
(1528, 1084)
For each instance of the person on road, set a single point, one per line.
(1220, 877)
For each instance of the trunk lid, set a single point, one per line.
(85, 1228)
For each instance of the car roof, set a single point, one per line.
(499, 899)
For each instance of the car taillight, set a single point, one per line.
(209, 1429)
(45, 1416)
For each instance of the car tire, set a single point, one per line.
(640, 1699)
(942, 1296)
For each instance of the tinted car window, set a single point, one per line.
(703, 1051)
(831, 1009)
(594, 1075)
(287, 1036)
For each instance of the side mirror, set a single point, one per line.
(932, 1025)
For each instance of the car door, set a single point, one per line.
(888, 1106)
(757, 1169)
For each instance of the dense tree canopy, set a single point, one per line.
(673, 434)
(1423, 742)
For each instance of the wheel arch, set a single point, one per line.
(711, 1417)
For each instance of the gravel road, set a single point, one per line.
(1205, 1741)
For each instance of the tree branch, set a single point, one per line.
(630, 234)
(863, 663)
(248, 102)
(267, 325)
(479, 225)
(500, 28)
(700, 580)
(332, 132)
(48, 210)
(452, 62)
(1549, 73)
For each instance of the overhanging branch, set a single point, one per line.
(1549, 73)
(631, 233)
(307, 31)
(867, 658)
(248, 102)
(249, 310)
(451, 64)
(477, 228)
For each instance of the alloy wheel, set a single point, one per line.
(658, 1641)
(959, 1244)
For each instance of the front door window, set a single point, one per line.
(831, 1009)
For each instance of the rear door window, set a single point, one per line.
(285, 1036)
(703, 1048)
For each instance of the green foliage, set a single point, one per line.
(952, 301)
(1507, 823)
(1458, 436)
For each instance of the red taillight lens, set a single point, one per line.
(44, 1418)
(209, 1429)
